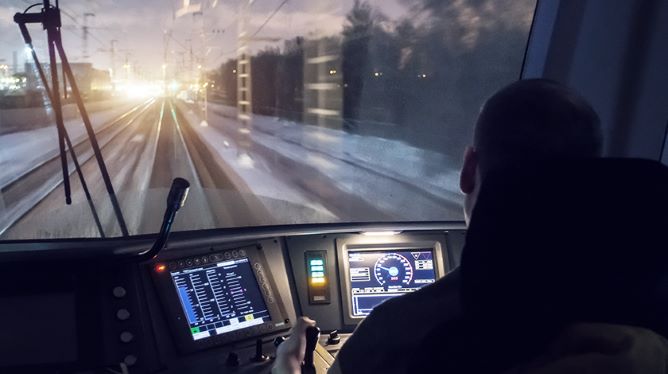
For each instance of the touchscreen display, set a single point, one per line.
(219, 298)
(376, 276)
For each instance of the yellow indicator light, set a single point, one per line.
(317, 280)
(249, 317)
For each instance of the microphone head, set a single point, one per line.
(178, 193)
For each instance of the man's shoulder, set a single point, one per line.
(440, 298)
(380, 342)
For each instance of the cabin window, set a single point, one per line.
(277, 112)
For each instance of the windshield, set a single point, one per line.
(276, 111)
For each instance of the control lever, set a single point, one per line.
(175, 200)
(334, 338)
(312, 336)
(259, 355)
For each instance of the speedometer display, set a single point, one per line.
(393, 269)
(378, 275)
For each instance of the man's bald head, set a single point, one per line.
(533, 120)
(526, 122)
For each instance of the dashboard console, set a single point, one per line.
(211, 302)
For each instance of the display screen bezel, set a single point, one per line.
(383, 253)
(389, 244)
(222, 263)
(178, 321)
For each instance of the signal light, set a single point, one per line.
(160, 268)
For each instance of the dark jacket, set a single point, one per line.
(554, 245)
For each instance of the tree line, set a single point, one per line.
(420, 78)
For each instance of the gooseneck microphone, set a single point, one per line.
(175, 200)
(178, 194)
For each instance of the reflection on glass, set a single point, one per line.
(278, 112)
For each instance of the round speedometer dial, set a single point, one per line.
(393, 269)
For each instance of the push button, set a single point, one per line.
(126, 337)
(119, 292)
(130, 360)
(123, 314)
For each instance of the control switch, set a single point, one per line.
(334, 338)
(259, 355)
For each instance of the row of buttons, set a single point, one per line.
(203, 260)
(123, 314)
(262, 282)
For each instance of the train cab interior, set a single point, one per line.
(182, 181)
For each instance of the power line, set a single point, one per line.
(229, 52)
(69, 15)
(269, 18)
(178, 42)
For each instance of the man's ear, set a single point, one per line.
(467, 178)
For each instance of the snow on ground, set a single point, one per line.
(424, 169)
(253, 174)
(400, 179)
(22, 151)
(289, 166)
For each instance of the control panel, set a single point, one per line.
(217, 307)
(219, 297)
(361, 271)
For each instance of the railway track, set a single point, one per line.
(33, 185)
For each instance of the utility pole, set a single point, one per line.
(113, 57)
(244, 98)
(85, 35)
(127, 67)
(201, 70)
(112, 52)
(191, 65)
(244, 76)
(165, 39)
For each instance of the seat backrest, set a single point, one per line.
(565, 242)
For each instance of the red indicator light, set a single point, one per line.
(160, 268)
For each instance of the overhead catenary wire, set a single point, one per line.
(178, 42)
(266, 21)
(269, 18)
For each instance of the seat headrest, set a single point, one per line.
(560, 242)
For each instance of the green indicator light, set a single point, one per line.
(316, 262)
(195, 330)
(318, 274)
(318, 268)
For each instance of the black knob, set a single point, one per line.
(232, 360)
(278, 341)
(259, 355)
(312, 335)
(334, 338)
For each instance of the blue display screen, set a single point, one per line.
(376, 276)
(220, 298)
